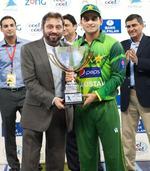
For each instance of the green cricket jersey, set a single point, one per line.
(105, 70)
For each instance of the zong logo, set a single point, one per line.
(35, 2)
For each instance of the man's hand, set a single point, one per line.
(59, 103)
(89, 98)
(130, 54)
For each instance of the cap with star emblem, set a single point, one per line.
(90, 7)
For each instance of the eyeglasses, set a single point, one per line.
(132, 25)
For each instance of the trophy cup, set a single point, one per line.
(71, 59)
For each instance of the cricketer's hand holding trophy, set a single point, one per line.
(71, 59)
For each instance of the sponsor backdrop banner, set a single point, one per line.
(28, 14)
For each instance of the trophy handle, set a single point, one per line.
(86, 58)
(55, 61)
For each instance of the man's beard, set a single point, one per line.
(52, 41)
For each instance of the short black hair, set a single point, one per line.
(134, 16)
(5, 18)
(70, 18)
(51, 15)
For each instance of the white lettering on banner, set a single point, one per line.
(94, 72)
(92, 84)
(109, 27)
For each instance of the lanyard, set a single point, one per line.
(11, 55)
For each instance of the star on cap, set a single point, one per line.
(90, 7)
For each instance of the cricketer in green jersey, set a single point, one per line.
(99, 80)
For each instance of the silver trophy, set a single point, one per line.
(71, 59)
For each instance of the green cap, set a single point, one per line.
(90, 7)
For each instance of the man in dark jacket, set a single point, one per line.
(135, 91)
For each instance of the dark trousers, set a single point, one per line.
(72, 153)
(10, 103)
(54, 149)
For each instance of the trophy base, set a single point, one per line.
(73, 98)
